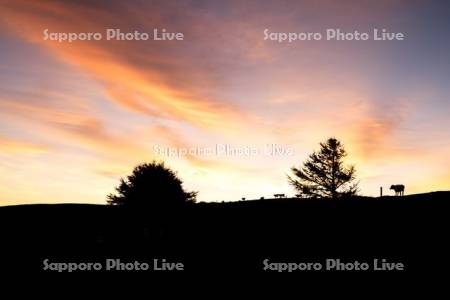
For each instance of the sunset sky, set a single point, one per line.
(75, 117)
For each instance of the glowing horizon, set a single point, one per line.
(75, 117)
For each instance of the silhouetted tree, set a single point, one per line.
(324, 174)
(151, 185)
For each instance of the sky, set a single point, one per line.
(77, 116)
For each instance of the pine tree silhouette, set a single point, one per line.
(324, 175)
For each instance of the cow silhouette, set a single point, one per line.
(398, 188)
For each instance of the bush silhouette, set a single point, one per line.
(151, 185)
(324, 175)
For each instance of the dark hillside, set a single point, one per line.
(227, 236)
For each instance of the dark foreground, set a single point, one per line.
(234, 237)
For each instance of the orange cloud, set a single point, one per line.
(160, 82)
(14, 146)
(72, 128)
